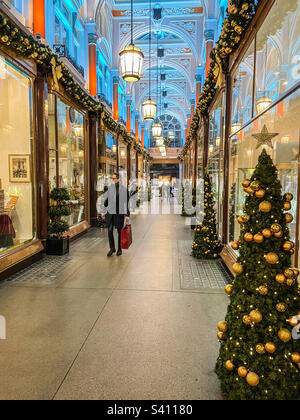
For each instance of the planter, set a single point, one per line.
(57, 246)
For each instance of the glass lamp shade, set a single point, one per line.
(123, 153)
(131, 63)
(78, 130)
(171, 134)
(236, 126)
(149, 110)
(164, 154)
(218, 141)
(114, 148)
(160, 141)
(156, 130)
(263, 104)
(162, 149)
(211, 148)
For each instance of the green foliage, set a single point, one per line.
(57, 209)
(206, 244)
(278, 375)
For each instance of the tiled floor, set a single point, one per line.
(140, 326)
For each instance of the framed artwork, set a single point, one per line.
(19, 168)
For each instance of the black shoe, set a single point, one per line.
(112, 251)
(119, 252)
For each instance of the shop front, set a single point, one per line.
(68, 158)
(124, 159)
(18, 175)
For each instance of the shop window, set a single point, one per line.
(123, 161)
(16, 169)
(67, 155)
(278, 53)
(243, 90)
(285, 154)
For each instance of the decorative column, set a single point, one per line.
(92, 49)
(143, 135)
(198, 78)
(116, 98)
(128, 119)
(39, 26)
(137, 126)
(209, 43)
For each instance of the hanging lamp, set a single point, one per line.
(149, 106)
(157, 127)
(264, 102)
(131, 58)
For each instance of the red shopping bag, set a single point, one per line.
(126, 237)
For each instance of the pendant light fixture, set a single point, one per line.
(264, 102)
(149, 106)
(157, 127)
(131, 58)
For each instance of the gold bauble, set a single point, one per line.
(272, 258)
(263, 290)
(259, 238)
(294, 321)
(238, 29)
(238, 268)
(260, 193)
(242, 372)
(256, 316)
(255, 186)
(246, 320)
(220, 335)
(287, 206)
(278, 234)
(275, 228)
(260, 349)
(289, 218)
(248, 237)
(284, 335)
(280, 278)
(265, 207)
(288, 197)
(296, 272)
(267, 233)
(228, 289)
(222, 326)
(296, 357)
(229, 365)
(235, 246)
(281, 307)
(288, 245)
(290, 282)
(246, 183)
(252, 379)
(270, 348)
(289, 273)
(249, 191)
(233, 10)
(240, 220)
(246, 218)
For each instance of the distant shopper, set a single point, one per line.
(117, 214)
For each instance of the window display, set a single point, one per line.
(16, 169)
(67, 155)
(123, 161)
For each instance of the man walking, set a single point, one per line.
(117, 208)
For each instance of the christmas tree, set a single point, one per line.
(206, 244)
(259, 356)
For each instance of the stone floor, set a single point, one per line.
(139, 326)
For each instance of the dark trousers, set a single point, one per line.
(111, 236)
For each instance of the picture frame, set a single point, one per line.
(19, 168)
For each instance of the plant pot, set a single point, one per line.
(57, 246)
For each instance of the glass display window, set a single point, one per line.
(133, 164)
(285, 155)
(67, 155)
(17, 204)
(123, 161)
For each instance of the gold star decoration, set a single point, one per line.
(264, 137)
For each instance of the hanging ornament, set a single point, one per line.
(287, 206)
(278, 234)
(256, 316)
(228, 289)
(255, 186)
(263, 290)
(289, 218)
(249, 191)
(235, 246)
(267, 233)
(281, 307)
(260, 193)
(259, 238)
(246, 320)
(229, 365)
(296, 357)
(222, 326)
(288, 245)
(252, 379)
(220, 335)
(289, 273)
(272, 258)
(260, 349)
(284, 335)
(264, 137)
(242, 372)
(290, 282)
(248, 237)
(280, 278)
(294, 321)
(288, 197)
(275, 228)
(270, 347)
(246, 183)
(238, 268)
(265, 207)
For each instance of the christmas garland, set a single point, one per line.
(240, 14)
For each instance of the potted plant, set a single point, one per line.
(57, 244)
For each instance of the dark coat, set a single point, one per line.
(117, 205)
